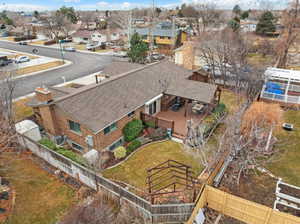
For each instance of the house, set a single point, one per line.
(164, 34)
(248, 25)
(187, 56)
(132, 91)
(100, 36)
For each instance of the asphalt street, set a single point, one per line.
(83, 64)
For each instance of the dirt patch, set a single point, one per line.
(259, 188)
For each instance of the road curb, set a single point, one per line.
(67, 63)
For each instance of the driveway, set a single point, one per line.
(83, 64)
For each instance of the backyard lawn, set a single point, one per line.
(133, 171)
(40, 198)
(286, 163)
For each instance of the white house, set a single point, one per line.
(248, 26)
(103, 36)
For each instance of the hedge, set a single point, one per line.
(49, 42)
(132, 130)
(24, 38)
(133, 146)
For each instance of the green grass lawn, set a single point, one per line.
(133, 171)
(40, 198)
(286, 163)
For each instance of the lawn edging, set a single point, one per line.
(138, 149)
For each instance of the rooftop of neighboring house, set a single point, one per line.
(163, 29)
(83, 33)
(131, 85)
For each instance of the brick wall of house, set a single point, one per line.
(47, 114)
(108, 139)
(61, 121)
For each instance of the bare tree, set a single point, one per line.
(208, 14)
(87, 17)
(8, 137)
(103, 209)
(289, 35)
(248, 136)
(225, 55)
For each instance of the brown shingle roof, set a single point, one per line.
(119, 67)
(100, 105)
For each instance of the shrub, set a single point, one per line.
(220, 108)
(49, 144)
(120, 152)
(133, 146)
(150, 124)
(24, 38)
(132, 130)
(65, 152)
(50, 42)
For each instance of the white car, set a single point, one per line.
(70, 49)
(22, 59)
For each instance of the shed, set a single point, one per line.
(29, 129)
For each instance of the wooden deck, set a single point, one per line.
(180, 120)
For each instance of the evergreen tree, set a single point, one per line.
(237, 10)
(266, 23)
(138, 49)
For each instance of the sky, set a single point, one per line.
(42, 5)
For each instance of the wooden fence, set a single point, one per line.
(165, 213)
(241, 209)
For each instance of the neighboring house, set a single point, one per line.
(102, 36)
(187, 56)
(248, 25)
(100, 111)
(164, 34)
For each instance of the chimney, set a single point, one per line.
(188, 55)
(43, 94)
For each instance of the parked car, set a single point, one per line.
(93, 46)
(69, 49)
(22, 43)
(22, 59)
(157, 56)
(5, 61)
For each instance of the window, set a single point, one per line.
(76, 146)
(74, 126)
(131, 114)
(152, 108)
(110, 128)
(115, 145)
(85, 38)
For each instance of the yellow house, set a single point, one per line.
(163, 34)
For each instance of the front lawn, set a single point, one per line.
(286, 163)
(40, 197)
(134, 170)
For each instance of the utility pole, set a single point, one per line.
(129, 27)
(61, 51)
(173, 32)
(151, 28)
